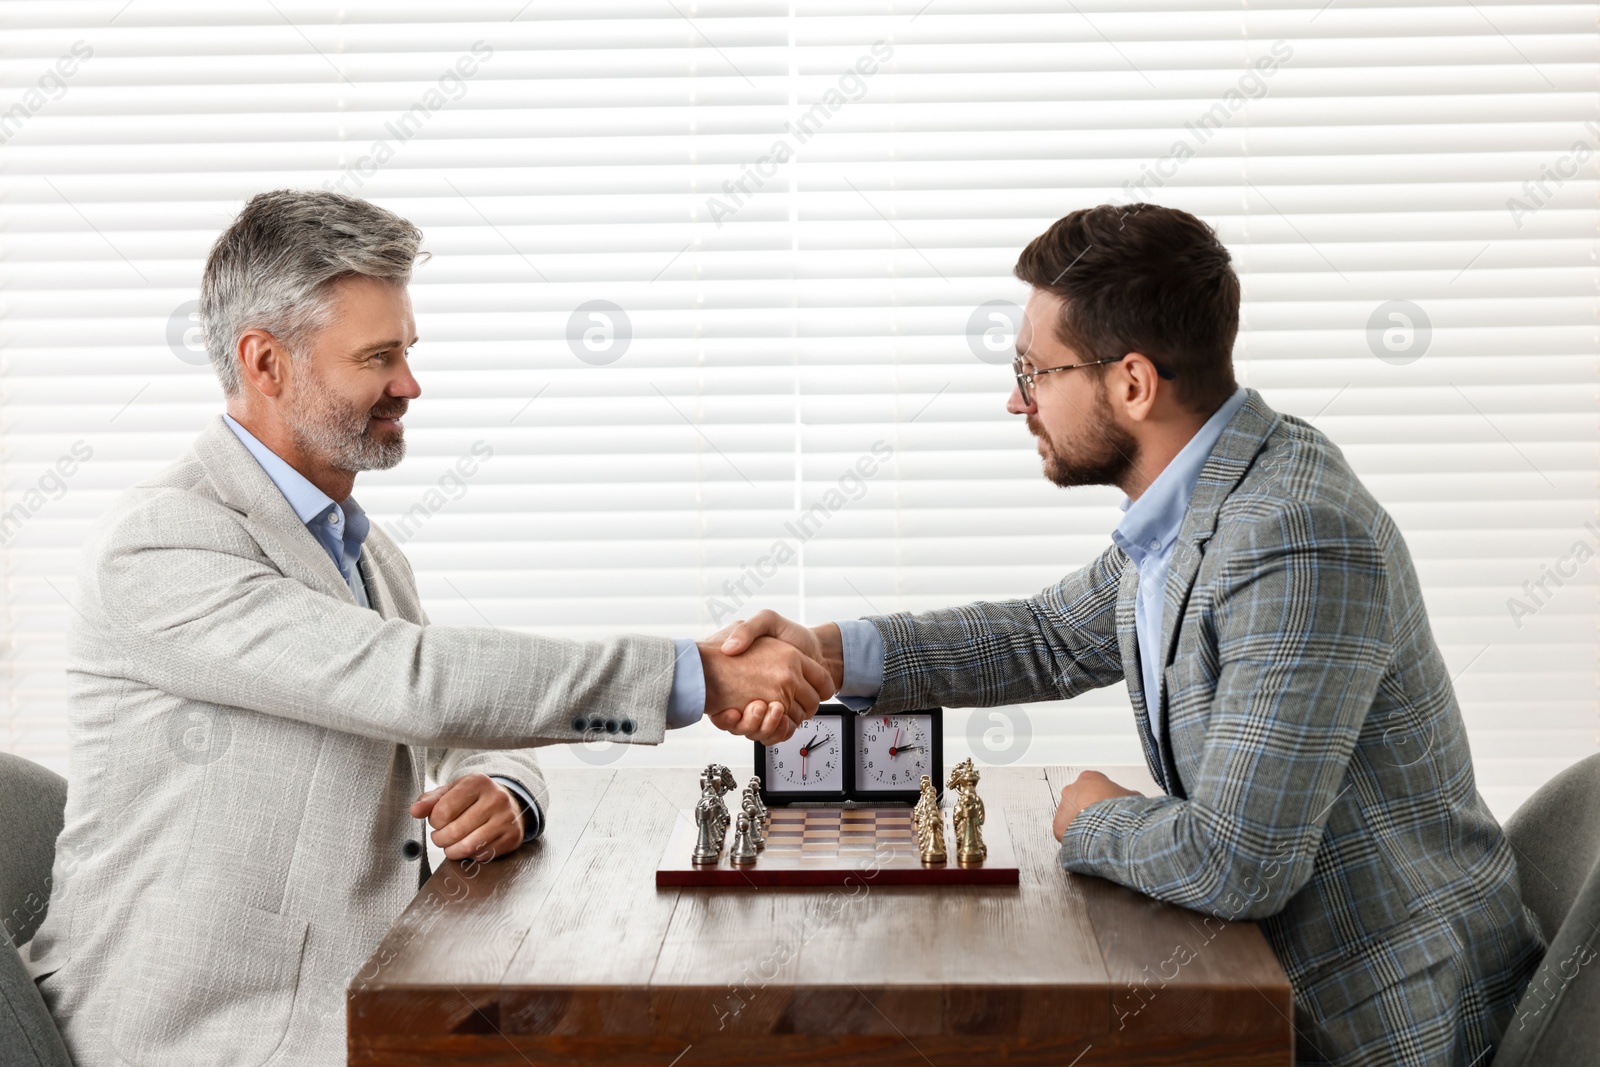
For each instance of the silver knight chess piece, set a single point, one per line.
(711, 817)
(743, 852)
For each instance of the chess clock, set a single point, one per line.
(813, 766)
(840, 757)
(893, 752)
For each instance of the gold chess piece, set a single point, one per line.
(967, 815)
(928, 821)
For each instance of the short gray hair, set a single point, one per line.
(274, 267)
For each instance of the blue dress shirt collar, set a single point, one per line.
(341, 528)
(1151, 523)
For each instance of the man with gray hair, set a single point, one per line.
(259, 700)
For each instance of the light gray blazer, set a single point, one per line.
(245, 741)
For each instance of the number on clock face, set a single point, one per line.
(810, 761)
(893, 752)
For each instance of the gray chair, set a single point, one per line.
(32, 801)
(1556, 835)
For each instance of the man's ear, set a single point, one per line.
(263, 362)
(1141, 383)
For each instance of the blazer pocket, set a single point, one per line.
(205, 982)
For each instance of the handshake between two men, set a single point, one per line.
(768, 674)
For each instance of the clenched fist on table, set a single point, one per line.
(472, 817)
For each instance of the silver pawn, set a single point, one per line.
(743, 852)
(757, 830)
(754, 789)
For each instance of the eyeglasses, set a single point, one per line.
(1025, 377)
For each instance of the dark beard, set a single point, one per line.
(1102, 454)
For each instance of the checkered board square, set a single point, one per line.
(822, 831)
(839, 846)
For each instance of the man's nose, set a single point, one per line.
(405, 384)
(1015, 406)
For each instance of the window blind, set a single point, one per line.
(719, 306)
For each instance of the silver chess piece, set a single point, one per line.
(743, 852)
(748, 810)
(754, 789)
(710, 814)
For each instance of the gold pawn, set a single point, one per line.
(928, 821)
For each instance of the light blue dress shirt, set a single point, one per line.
(1148, 532)
(341, 528)
(687, 701)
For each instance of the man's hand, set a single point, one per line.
(775, 684)
(473, 817)
(821, 643)
(1089, 787)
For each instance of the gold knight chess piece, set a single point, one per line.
(966, 817)
(928, 821)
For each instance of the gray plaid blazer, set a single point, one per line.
(1317, 772)
(245, 741)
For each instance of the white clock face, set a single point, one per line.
(893, 752)
(810, 761)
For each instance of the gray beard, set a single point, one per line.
(323, 427)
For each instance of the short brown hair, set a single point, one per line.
(1143, 278)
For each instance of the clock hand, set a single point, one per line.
(815, 744)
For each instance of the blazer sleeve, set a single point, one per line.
(185, 598)
(1057, 644)
(1302, 642)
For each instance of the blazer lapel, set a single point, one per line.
(245, 487)
(1128, 638)
(378, 594)
(1235, 450)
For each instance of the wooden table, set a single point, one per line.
(566, 953)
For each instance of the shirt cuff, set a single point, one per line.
(688, 700)
(532, 817)
(863, 663)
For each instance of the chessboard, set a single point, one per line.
(840, 846)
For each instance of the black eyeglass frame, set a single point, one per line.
(1025, 377)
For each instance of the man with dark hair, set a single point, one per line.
(1265, 614)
